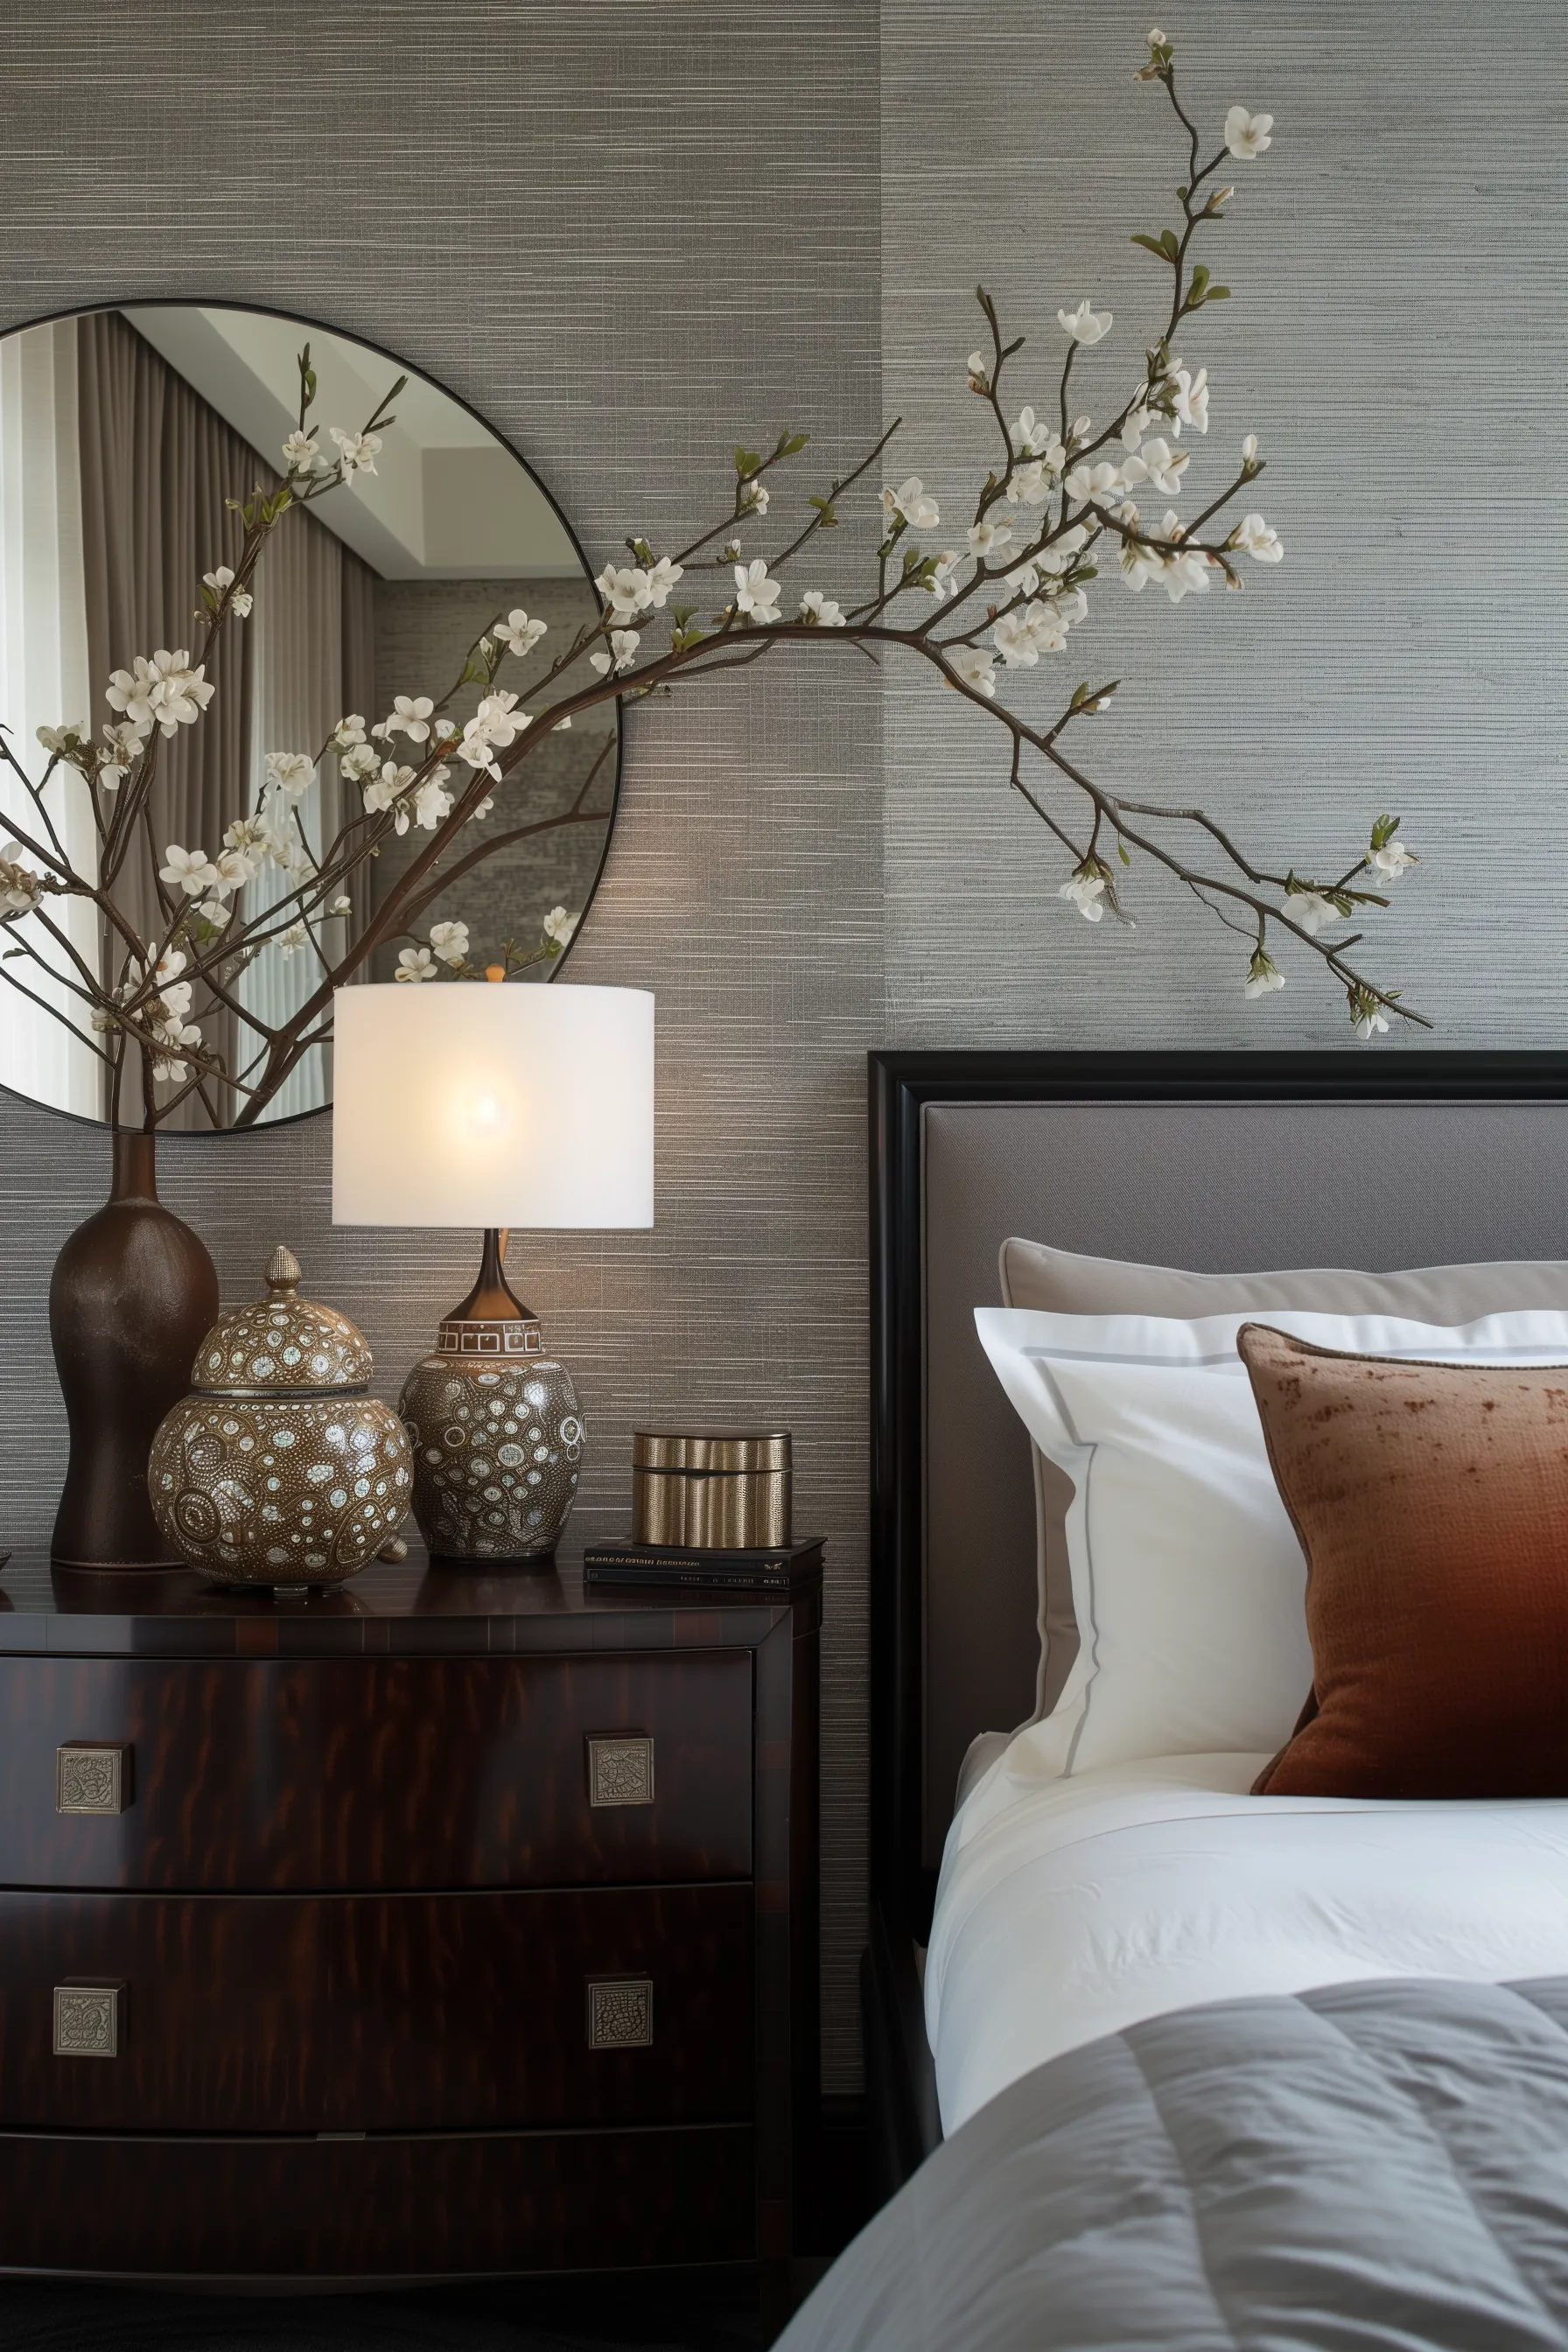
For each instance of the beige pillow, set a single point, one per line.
(1060, 1281)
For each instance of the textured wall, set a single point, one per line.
(1397, 326)
(628, 231)
(627, 234)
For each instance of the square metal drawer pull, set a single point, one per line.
(620, 1772)
(89, 2019)
(93, 1776)
(620, 2012)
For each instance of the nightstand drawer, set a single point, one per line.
(375, 2012)
(375, 2209)
(188, 1774)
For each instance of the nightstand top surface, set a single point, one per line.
(406, 1608)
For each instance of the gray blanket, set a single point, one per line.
(1373, 2165)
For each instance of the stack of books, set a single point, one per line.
(772, 1568)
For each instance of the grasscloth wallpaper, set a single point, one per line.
(630, 230)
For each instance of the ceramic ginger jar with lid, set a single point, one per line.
(281, 1467)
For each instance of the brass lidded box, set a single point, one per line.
(281, 1467)
(717, 1489)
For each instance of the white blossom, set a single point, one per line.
(623, 644)
(1087, 893)
(214, 911)
(385, 791)
(979, 371)
(990, 535)
(1022, 637)
(236, 868)
(910, 502)
(1253, 536)
(1165, 466)
(342, 905)
(820, 610)
(290, 772)
(126, 738)
(1311, 910)
(292, 940)
(755, 593)
(246, 834)
(1263, 975)
(560, 926)
(1189, 400)
(974, 667)
(942, 573)
(1031, 484)
(165, 691)
(753, 498)
(1032, 435)
(1136, 424)
(1393, 860)
(626, 590)
(220, 581)
(1370, 1021)
(190, 870)
(432, 802)
(1100, 482)
(357, 452)
(359, 761)
(348, 733)
(20, 887)
(1084, 325)
(60, 740)
(410, 716)
(518, 634)
(1247, 135)
(662, 577)
(300, 453)
(415, 964)
(482, 809)
(1249, 448)
(450, 942)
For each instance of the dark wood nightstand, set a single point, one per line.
(445, 1924)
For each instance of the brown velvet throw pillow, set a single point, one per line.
(1431, 1501)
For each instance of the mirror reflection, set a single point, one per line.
(250, 736)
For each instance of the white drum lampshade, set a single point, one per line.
(517, 1105)
(526, 1105)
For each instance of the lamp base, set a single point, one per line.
(497, 1431)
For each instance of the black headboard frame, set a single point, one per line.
(903, 1086)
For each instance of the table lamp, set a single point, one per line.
(516, 1105)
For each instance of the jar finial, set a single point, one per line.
(283, 1271)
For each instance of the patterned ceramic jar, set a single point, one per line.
(279, 1467)
(497, 1438)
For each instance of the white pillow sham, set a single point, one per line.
(1187, 1578)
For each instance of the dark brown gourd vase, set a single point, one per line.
(132, 1293)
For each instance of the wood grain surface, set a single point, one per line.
(376, 2209)
(454, 2013)
(378, 1773)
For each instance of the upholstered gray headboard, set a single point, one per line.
(1221, 1163)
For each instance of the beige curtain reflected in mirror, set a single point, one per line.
(44, 679)
(157, 467)
(313, 647)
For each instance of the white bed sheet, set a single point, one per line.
(1071, 1908)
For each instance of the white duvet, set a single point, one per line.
(1070, 1908)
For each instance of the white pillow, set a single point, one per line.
(1187, 1578)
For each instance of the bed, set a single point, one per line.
(1208, 2067)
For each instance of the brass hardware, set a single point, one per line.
(89, 2019)
(620, 1772)
(93, 1776)
(620, 2012)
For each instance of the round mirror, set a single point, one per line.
(272, 609)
